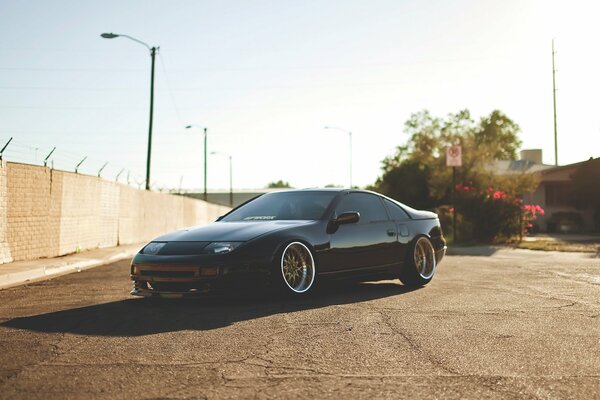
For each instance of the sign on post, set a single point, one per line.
(454, 156)
(454, 159)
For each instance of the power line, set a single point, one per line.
(78, 89)
(19, 107)
(162, 63)
(56, 69)
(245, 107)
(270, 67)
(207, 87)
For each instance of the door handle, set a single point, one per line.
(391, 232)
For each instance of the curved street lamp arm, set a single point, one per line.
(136, 40)
(190, 126)
(338, 129)
(116, 35)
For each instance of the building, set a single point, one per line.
(554, 193)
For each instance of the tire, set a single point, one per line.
(420, 263)
(296, 269)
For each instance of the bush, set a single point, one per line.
(464, 227)
(493, 215)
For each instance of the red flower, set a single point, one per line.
(499, 195)
(464, 188)
(539, 209)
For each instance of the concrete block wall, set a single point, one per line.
(31, 218)
(49, 213)
(4, 248)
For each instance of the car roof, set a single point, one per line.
(326, 189)
(412, 212)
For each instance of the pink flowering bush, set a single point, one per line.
(493, 215)
(529, 213)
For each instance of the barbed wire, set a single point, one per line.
(59, 159)
(167, 178)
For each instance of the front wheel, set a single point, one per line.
(419, 267)
(297, 268)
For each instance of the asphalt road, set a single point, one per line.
(515, 324)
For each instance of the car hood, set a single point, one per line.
(228, 231)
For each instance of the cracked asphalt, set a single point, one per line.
(513, 324)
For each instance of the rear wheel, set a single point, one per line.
(297, 268)
(420, 264)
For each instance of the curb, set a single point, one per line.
(480, 250)
(498, 250)
(18, 278)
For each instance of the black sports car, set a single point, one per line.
(289, 240)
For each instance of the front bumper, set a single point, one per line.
(156, 278)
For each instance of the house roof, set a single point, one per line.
(548, 172)
(563, 172)
(506, 167)
(574, 165)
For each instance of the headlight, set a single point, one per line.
(221, 247)
(153, 248)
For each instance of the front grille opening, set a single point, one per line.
(174, 271)
(180, 287)
(169, 274)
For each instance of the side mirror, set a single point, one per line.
(349, 217)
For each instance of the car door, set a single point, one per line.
(403, 226)
(370, 242)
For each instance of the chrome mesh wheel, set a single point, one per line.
(424, 257)
(297, 267)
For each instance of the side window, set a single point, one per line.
(396, 213)
(369, 206)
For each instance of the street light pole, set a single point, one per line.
(230, 182)
(230, 175)
(205, 165)
(149, 156)
(205, 158)
(153, 51)
(349, 147)
(350, 141)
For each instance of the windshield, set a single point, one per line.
(284, 206)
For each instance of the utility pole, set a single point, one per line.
(554, 98)
(152, 54)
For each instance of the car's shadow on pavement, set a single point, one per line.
(137, 317)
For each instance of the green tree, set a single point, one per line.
(417, 174)
(407, 182)
(278, 184)
(497, 137)
(493, 137)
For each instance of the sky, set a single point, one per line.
(265, 77)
